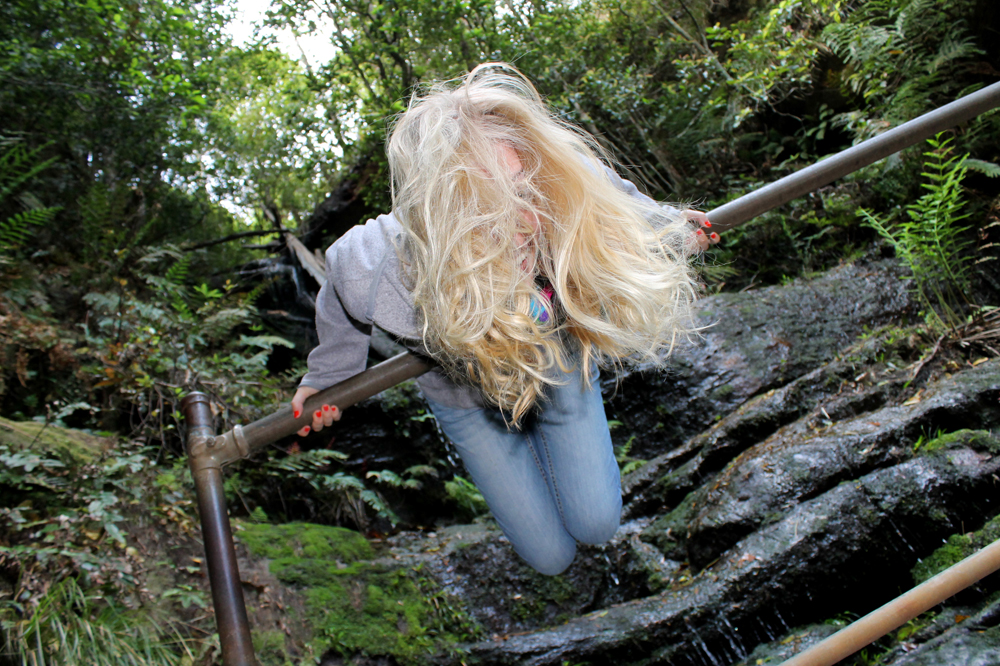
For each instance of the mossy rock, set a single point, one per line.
(71, 446)
(306, 540)
(355, 605)
(978, 440)
(957, 548)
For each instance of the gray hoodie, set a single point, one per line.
(364, 289)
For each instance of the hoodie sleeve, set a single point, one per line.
(343, 341)
(629, 188)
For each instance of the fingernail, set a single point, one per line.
(707, 223)
(698, 232)
(326, 408)
(714, 236)
(319, 414)
(335, 408)
(296, 414)
(307, 429)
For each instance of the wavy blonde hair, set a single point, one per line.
(618, 264)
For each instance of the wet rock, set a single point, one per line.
(799, 640)
(817, 556)
(668, 478)
(970, 640)
(951, 634)
(475, 563)
(753, 342)
(802, 460)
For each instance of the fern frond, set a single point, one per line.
(267, 342)
(18, 165)
(178, 273)
(15, 229)
(989, 169)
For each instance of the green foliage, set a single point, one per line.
(71, 626)
(148, 353)
(957, 548)
(355, 605)
(627, 463)
(313, 477)
(18, 165)
(79, 589)
(770, 54)
(902, 57)
(468, 500)
(932, 240)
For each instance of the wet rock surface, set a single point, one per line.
(752, 342)
(806, 458)
(816, 557)
(841, 458)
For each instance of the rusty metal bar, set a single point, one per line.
(223, 572)
(901, 610)
(242, 441)
(868, 152)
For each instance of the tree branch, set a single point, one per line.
(230, 237)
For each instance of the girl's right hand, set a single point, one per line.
(322, 417)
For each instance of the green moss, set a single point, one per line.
(356, 606)
(979, 440)
(957, 548)
(722, 392)
(269, 648)
(65, 443)
(541, 593)
(305, 540)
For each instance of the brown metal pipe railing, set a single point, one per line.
(900, 610)
(848, 161)
(223, 572)
(208, 454)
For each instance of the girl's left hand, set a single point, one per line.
(702, 237)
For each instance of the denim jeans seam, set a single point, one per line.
(551, 475)
(534, 455)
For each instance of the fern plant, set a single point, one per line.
(932, 238)
(18, 165)
(902, 57)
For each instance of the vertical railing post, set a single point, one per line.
(223, 571)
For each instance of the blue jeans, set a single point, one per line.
(551, 484)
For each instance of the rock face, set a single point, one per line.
(806, 564)
(799, 469)
(753, 342)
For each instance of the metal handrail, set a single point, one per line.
(208, 453)
(900, 610)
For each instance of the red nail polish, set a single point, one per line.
(319, 414)
(698, 232)
(296, 414)
(707, 223)
(307, 429)
(326, 408)
(715, 236)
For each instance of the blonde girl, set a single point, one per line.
(521, 263)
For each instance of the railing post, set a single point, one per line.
(223, 572)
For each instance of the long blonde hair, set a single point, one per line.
(617, 264)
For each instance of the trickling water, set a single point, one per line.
(732, 634)
(611, 570)
(901, 537)
(708, 653)
(784, 624)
